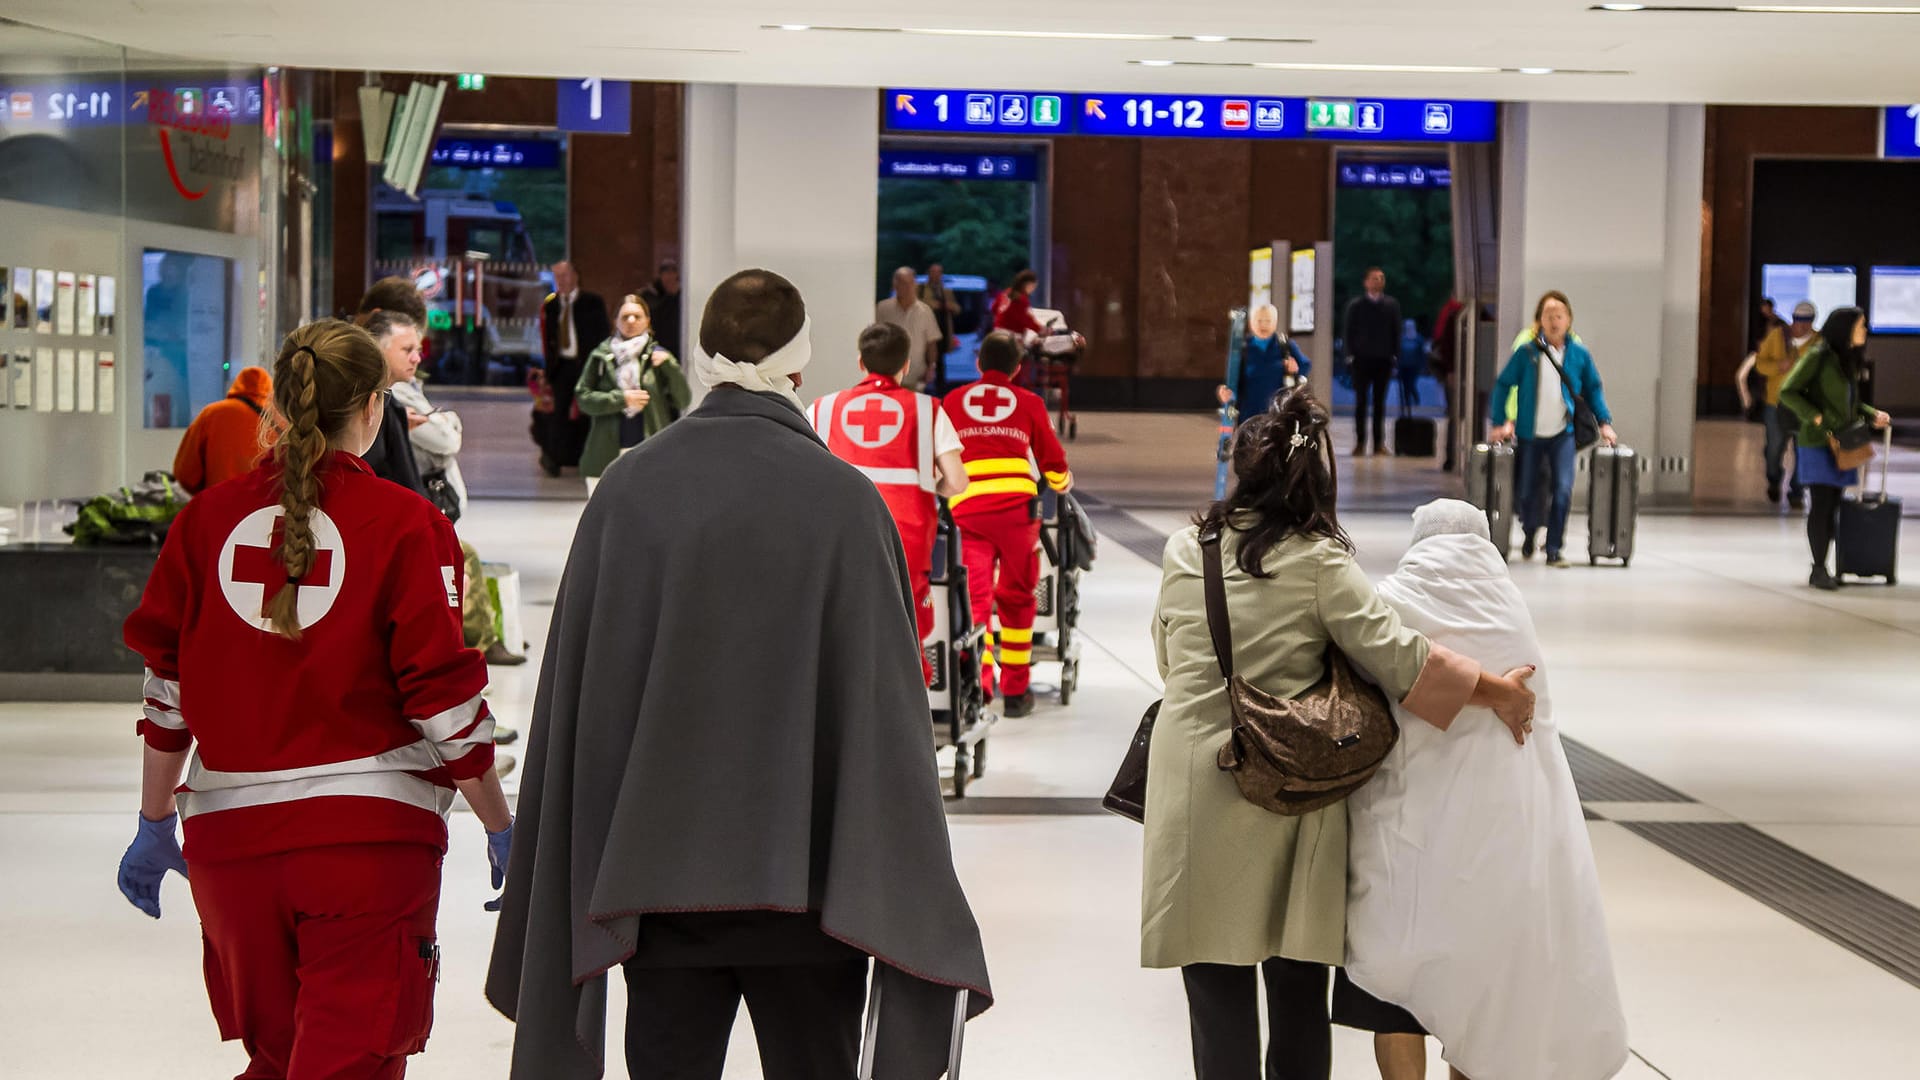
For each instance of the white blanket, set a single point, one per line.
(1473, 900)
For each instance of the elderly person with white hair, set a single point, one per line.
(1472, 899)
(1266, 365)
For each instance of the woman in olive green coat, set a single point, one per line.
(1229, 885)
(631, 387)
(1823, 390)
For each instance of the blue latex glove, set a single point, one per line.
(499, 846)
(154, 851)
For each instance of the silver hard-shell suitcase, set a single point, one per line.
(1490, 487)
(1613, 503)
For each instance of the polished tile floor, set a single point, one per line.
(1708, 666)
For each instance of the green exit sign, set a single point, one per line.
(438, 319)
(1329, 116)
(471, 81)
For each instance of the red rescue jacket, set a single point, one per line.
(886, 431)
(1009, 445)
(356, 732)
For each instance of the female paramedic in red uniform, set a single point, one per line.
(303, 627)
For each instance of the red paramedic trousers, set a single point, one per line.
(322, 961)
(1002, 552)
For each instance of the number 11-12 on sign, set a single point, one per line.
(1143, 112)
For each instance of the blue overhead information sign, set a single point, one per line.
(1000, 112)
(942, 165)
(598, 106)
(1900, 131)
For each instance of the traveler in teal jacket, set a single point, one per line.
(1532, 401)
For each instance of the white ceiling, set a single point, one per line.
(1807, 59)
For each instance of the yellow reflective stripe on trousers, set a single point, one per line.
(1006, 485)
(1011, 636)
(1016, 657)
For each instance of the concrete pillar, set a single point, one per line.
(786, 178)
(1602, 202)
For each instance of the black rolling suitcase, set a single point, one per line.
(1415, 436)
(1490, 487)
(1868, 541)
(1613, 504)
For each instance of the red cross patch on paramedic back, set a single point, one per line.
(872, 420)
(250, 576)
(989, 404)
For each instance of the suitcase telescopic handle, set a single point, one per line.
(956, 1039)
(1886, 467)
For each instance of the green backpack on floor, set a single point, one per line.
(140, 514)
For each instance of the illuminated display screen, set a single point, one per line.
(998, 112)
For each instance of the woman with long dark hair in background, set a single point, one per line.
(1823, 390)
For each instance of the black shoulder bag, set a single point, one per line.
(1586, 422)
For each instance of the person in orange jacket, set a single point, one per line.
(229, 436)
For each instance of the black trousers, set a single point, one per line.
(1823, 520)
(1223, 1006)
(806, 1019)
(1372, 376)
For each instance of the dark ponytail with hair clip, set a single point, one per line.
(1284, 481)
(322, 378)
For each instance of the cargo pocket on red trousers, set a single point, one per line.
(419, 972)
(219, 994)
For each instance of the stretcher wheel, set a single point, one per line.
(980, 759)
(962, 771)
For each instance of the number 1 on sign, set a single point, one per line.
(592, 87)
(940, 105)
(1913, 114)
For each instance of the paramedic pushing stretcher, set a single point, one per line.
(1010, 447)
(302, 627)
(906, 444)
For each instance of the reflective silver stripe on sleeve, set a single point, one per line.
(924, 407)
(446, 725)
(162, 702)
(396, 786)
(164, 691)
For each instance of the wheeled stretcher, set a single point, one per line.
(957, 695)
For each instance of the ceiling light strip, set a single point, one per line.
(1036, 35)
(1757, 9)
(1380, 69)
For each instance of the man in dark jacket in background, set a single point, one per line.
(1371, 331)
(572, 323)
(663, 304)
(391, 455)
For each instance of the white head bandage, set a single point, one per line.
(1450, 517)
(769, 376)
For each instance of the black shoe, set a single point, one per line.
(1797, 500)
(1773, 493)
(549, 466)
(499, 655)
(504, 735)
(1529, 545)
(1558, 562)
(1822, 580)
(1360, 451)
(1018, 705)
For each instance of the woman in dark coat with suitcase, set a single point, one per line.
(1824, 392)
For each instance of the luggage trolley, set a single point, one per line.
(1066, 551)
(957, 696)
(1052, 357)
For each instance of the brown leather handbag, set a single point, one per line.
(1296, 756)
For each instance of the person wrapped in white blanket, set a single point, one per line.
(1473, 901)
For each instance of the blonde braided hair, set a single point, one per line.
(322, 379)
